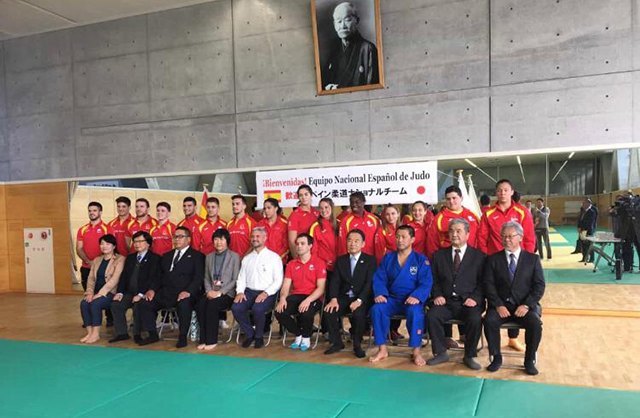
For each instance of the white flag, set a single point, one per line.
(463, 189)
(474, 204)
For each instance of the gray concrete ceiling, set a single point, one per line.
(26, 17)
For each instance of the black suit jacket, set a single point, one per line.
(148, 271)
(588, 220)
(528, 283)
(187, 274)
(467, 283)
(361, 281)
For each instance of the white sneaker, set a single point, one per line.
(223, 324)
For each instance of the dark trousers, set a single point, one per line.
(149, 312)
(92, 311)
(586, 247)
(241, 311)
(543, 234)
(119, 312)
(209, 311)
(531, 323)
(627, 252)
(84, 276)
(454, 309)
(298, 323)
(358, 321)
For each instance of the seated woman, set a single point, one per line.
(221, 273)
(101, 286)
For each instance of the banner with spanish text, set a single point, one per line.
(381, 184)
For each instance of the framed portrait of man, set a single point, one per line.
(347, 41)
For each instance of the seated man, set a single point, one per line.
(140, 268)
(301, 292)
(514, 285)
(456, 294)
(401, 285)
(178, 285)
(259, 280)
(350, 292)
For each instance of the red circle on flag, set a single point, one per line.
(421, 190)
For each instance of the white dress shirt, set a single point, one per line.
(260, 271)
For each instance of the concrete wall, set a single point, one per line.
(231, 83)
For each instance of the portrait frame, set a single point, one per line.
(326, 41)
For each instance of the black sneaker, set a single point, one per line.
(259, 343)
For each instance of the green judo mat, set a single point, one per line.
(55, 380)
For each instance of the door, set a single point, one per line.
(38, 260)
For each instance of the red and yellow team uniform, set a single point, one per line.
(162, 235)
(301, 220)
(304, 276)
(385, 241)
(324, 242)
(240, 231)
(489, 240)
(90, 235)
(135, 226)
(277, 239)
(118, 229)
(438, 232)
(205, 232)
(192, 223)
(342, 215)
(420, 242)
(367, 223)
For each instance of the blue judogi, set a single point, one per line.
(397, 284)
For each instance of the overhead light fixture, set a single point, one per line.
(571, 155)
(472, 164)
(521, 169)
(563, 164)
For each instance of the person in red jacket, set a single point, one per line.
(489, 239)
(191, 221)
(162, 233)
(302, 217)
(240, 226)
(323, 232)
(358, 219)
(142, 222)
(438, 232)
(419, 224)
(385, 240)
(88, 240)
(210, 225)
(118, 225)
(276, 227)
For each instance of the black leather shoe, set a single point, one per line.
(359, 352)
(117, 338)
(495, 364)
(334, 349)
(530, 367)
(137, 338)
(182, 342)
(471, 363)
(259, 343)
(438, 359)
(247, 342)
(150, 340)
(576, 252)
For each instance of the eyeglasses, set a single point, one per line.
(179, 236)
(512, 236)
(139, 241)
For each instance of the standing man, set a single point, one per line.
(240, 226)
(360, 219)
(401, 285)
(586, 228)
(191, 220)
(438, 233)
(514, 284)
(350, 293)
(541, 225)
(162, 233)
(142, 222)
(140, 269)
(179, 284)
(302, 217)
(210, 225)
(118, 225)
(259, 280)
(457, 294)
(88, 240)
(301, 293)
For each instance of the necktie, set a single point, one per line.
(456, 260)
(175, 260)
(354, 260)
(139, 258)
(512, 266)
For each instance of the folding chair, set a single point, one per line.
(315, 329)
(513, 354)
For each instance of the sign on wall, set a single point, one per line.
(381, 184)
(347, 40)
